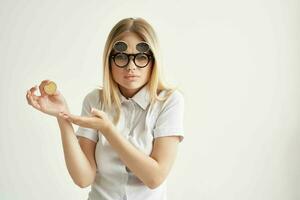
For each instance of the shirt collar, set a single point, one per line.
(142, 97)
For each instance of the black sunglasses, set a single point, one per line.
(141, 60)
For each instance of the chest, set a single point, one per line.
(136, 125)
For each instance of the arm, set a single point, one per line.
(78, 157)
(151, 170)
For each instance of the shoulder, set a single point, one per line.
(94, 93)
(93, 96)
(172, 97)
(176, 96)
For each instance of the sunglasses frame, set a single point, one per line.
(149, 56)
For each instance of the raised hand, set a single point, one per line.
(49, 104)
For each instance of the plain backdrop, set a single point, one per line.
(237, 63)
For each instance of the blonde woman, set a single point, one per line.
(129, 129)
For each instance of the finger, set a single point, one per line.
(81, 121)
(78, 120)
(41, 87)
(97, 112)
(31, 93)
(68, 116)
(56, 93)
(36, 105)
(64, 116)
(33, 101)
(33, 89)
(27, 97)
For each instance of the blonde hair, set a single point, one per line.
(109, 95)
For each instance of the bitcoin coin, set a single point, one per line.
(50, 88)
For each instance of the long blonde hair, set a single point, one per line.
(109, 94)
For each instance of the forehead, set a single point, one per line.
(131, 39)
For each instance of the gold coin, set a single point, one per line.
(50, 88)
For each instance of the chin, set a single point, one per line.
(132, 86)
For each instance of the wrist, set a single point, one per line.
(107, 129)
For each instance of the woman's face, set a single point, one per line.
(130, 86)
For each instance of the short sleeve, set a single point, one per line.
(170, 119)
(89, 101)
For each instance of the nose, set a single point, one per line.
(131, 65)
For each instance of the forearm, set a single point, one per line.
(77, 163)
(142, 165)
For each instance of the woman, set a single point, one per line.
(129, 129)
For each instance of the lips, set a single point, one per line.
(131, 76)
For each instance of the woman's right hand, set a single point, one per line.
(49, 104)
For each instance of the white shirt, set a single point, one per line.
(140, 124)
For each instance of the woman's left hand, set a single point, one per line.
(98, 120)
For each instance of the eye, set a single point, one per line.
(121, 56)
(141, 60)
(121, 59)
(141, 57)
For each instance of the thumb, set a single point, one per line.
(56, 93)
(95, 111)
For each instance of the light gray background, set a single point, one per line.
(237, 63)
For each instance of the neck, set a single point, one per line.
(129, 93)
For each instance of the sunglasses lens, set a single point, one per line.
(120, 46)
(142, 47)
(141, 60)
(121, 60)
